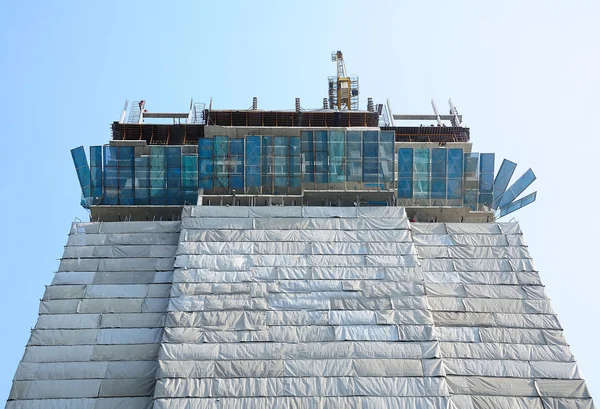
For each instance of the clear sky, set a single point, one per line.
(523, 73)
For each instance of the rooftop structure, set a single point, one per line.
(321, 258)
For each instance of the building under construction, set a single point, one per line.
(302, 258)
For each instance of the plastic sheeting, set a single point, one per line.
(502, 344)
(297, 307)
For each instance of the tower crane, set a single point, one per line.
(343, 90)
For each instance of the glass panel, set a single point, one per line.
(421, 162)
(486, 183)
(370, 170)
(405, 162)
(354, 170)
(486, 162)
(438, 188)
(205, 148)
(421, 188)
(438, 162)
(517, 188)
(471, 161)
(455, 163)
(516, 205)
(405, 187)
(82, 169)
(455, 189)
(503, 179)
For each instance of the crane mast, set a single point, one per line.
(343, 90)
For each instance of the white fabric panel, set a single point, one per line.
(442, 277)
(129, 277)
(445, 304)
(59, 307)
(522, 264)
(530, 278)
(480, 240)
(462, 402)
(82, 403)
(110, 305)
(275, 211)
(76, 353)
(366, 332)
(516, 241)
(60, 370)
(62, 278)
(58, 292)
(473, 385)
(423, 240)
(391, 261)
(559, 388)
(445, 290)
(383, 224)
(63, 337)
(450, 318)
(68, 321)
(428, 252)
(480, 367)
(441, 265)
(562, 403)
(512, 335)
(230, 262)
(494, 402)
(527, 321)
(215, 247)
(519, 352)
(335, 248)
(488, 277)
(139, 369)
(140, 352)
(127, 387)
(459, 334)
(510, 228)
(136, 227)
(71, 388)
(116, 291)
(403, 236)
(473, 228)
(495, 291)
(129, 335)
(482, 265)
(315, 211)
(290, 247)
(416, 333)
(382, 212)
(556, 370)
(217, 223)
(428, 228)
(223, 211)
(507, 306)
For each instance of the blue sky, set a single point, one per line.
(523, 74)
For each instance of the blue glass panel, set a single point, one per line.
(126, 155)
(486, 199)
(386, 171)
(471, 162)
(83, 170)
(95, 156)
(517, 188)
(486, 162)
(455, 163)
(111, 155)
(354, 171)
(438, 162)
(205, 148)
(236, 147)
(455, 189)
(111, 177)
(294, 146)
(421, 165)
(96, 173)
(370, 136)
(405, 163)
(321, 162)
(502, 180)
(421, 188)
(320, 177)
(221, 146)
(237, 182)
(295, 181)
(321, 141)
(405, 188)
(438, 188)
(517, 204)
(370, 170)
(486, 183)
